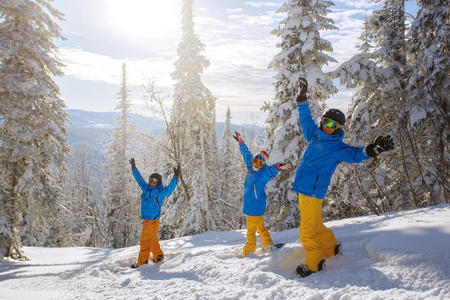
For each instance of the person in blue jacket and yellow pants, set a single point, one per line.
(152, 198)
(324, 152)
(258, 175)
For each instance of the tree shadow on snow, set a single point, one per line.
(28, 269)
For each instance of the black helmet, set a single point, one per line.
(335, 115)
(157, 176)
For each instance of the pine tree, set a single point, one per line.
(302, 54)
(351, 183)
(83, 211)
(121, 203)
(194, 112)
(394, 95)
(389, 30)
(231, 175)
(427, 111)
(32, 131)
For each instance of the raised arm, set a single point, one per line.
(140, 181)
(304, 113)
(168, 190)
(306, 121)
(246, 154)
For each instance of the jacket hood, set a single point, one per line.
(159, 187)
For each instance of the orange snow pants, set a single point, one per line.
(149, 241)
(318, 240)
(256, 224)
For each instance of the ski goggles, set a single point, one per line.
(154, 180)
(332, 124)
(258, 163)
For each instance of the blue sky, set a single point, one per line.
(102, 34)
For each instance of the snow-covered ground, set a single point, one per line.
(401, 255)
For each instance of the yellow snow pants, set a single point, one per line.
(256, 224)
(318, 240)
(149, 241)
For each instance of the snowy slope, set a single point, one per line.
(402, 255)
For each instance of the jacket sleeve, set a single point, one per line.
(169, 188)
(272, 171)
(141, 182)
(246, 155)
(353, 154)
(306, 121)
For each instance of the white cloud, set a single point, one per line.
(365, 4)
(345, 39)
(85, 65)
(238, 44)
(260, 4)
(253, 20)
(234, 10)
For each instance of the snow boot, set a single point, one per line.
(135, 265)
(304, 271)
(279, 245)
(338, 249)
(269, 249)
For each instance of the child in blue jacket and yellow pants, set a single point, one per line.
(324, 152)
(152, 198)
(258, 175)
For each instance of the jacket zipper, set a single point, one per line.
(254, 189)
(314, 188)
(150, 195)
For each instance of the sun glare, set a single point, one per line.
(145, 17)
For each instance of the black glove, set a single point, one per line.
(132, 163)
(177, 171)
(381, 144)
(303, 89)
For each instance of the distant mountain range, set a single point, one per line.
(95, 128)
(92, 132)
(107, 120)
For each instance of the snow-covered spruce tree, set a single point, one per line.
(302, 54)
(83, 209)
(391, 172)
(228, 208)
(352, 183)
(399, 103)
(427, 112)
(32, 131)
(120, 201)
(194, 112)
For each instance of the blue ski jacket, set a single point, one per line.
(152, 198)
(254, 184)
(321, 157)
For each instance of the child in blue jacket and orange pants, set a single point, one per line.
(258, 175)
(152, 198)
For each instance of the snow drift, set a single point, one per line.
(401, 255)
